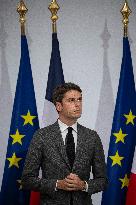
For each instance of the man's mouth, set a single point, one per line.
(77, 111)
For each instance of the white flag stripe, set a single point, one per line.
(134, 163)
(50, 114)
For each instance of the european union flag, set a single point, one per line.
(123, 139)
(123, 134)
(24, 123)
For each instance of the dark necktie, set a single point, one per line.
(70, 149)
(70, 146)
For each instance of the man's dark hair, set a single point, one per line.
(59, 91)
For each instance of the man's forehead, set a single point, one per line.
(73, 94)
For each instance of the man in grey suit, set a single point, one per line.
(65, 167)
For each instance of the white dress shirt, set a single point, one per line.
(64, 131)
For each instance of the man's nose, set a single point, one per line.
(77, 102)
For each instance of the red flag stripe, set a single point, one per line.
(35, 198)
(131, 193)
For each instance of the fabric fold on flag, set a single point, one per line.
(24, 123)
(122, 140)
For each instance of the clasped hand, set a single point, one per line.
(71, 183)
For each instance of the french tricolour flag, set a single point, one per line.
(55, 78)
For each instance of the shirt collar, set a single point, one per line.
(63, 126)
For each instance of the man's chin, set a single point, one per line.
(76, 116)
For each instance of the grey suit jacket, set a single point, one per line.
(47, 151)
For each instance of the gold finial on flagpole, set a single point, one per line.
(22, 10)
(54, 7)
(126, 11)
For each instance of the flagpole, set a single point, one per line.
(22, 10)
(125, 11)
(54, 7)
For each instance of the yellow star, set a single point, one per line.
(130, 118)
(17, 137)
(20, 185)
(28, 118)
(14, 161)
(119, 136)
(116, 159)
(125, 181)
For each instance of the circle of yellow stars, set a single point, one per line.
(120, 137)
(17, 138)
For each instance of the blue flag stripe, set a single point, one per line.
(55, 75)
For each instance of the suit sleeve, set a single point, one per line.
(30, 175)
(99, 181)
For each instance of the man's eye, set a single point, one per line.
(74, 100)
(71, 100)
(80, 99)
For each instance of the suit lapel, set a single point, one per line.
(59, 143)
(80, 144)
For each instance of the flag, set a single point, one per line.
(34, 198)
(24, 123)
(131, 193)
(55, 78)
(123, 139)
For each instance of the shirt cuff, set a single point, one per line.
(56, 186)
(86, 187)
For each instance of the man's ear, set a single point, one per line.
(58, 106)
